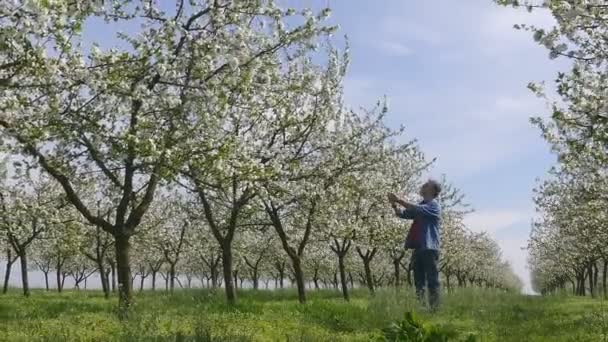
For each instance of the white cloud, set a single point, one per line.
(509, 103)
(480, 26)
(495, 220)
(396, 49)
(503, 132)
(469, 139)
(468, 130)
(498, 36)
(398, 28)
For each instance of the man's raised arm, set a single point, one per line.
(411, 209)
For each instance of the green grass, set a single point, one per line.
(200, 315)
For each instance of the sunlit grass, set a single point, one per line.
(199, 315)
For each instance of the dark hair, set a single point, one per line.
(435, 185)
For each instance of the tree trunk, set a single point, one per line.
(141, 284)
(104, 279)
(46, 280)
(580, 283)
(343, 279)
(24, 276)
(595, 277)
(227, 270)
(113, 272)
(315, 278)
(368, 275)
(280, 267)
(397, 268)
(605, 270)
(573, 287)
(299, 275)
(255, 279)
(123, 265)
(335, 280)
(7, 272)
(583, 288)
(214, 276)
(409, 274)
(367, 259)
(447, 282)
(172, 276)
(59, 279)
(108, 279)
(154, 272)
(105, 283)
(591, 282)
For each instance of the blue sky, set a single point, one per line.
(455, 73)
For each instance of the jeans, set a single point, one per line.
(426, 274)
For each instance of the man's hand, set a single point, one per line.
(396, 200)
(396, 209)
(393, 198)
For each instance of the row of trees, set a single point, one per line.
(569, 243)
(216, 132)
(179, 246)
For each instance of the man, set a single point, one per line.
(423, 238)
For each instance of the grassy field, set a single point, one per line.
(198, 315)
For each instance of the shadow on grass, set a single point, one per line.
(202, 333)
(335, 316)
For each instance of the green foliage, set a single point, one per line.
(411, 329)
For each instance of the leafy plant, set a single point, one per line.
(411, 329)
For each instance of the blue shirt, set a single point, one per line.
(428, 215)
